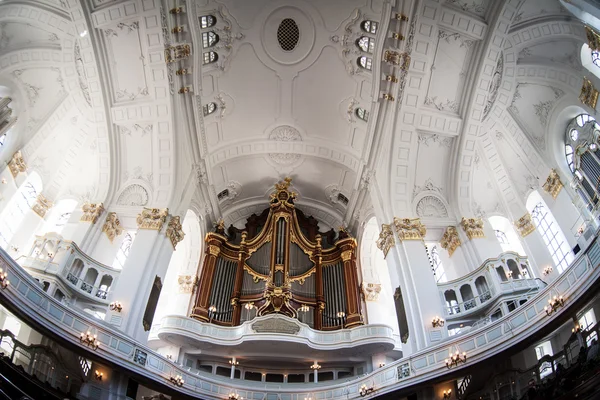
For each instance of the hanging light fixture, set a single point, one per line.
(116, 306)
(4, 282)
(89, 340)
(437, 322)
(365, 390)
(177, 380)
(554, 304)
(456, 359)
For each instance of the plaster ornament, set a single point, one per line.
(275, 325)
(177, 53)
(186, 283)
(588, 94)
(17, 164)
(431, 206)
(525, 225)
(553, 184)
(386, 239)
(285, 133)
(91, 212)
(41, 206)
(450, 241)
(112, 226)
(371, 291)
(174, 231)
(409, 228)
(473, 227)
(494, 86)
(152, 218)
(133, 195)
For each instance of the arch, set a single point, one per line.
(366, 44)
(209, 57)
(482, 288)
(76, 268)
(451, 302)
(365, 62)
(209, 108)
(505, 233)
(590, 60)
(209, 39)
(369, 26)
(501, 273)
(206, 21)
(59, 216)
(362, 114)
(513, 267)
(124, 249)
(466, 292)
(105, 284)
(90, 276)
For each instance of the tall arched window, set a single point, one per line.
(365, 62)
(209, 39)
(209, 108)
(124, 249)
(551, 233)
(362, 114)
(59, 216)
(590, 60)
(506, 235)
(21, 202)
(436, 263)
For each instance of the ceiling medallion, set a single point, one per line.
(285, 133)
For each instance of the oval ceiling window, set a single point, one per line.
(288, 34)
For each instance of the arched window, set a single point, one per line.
(124, 249)
(20, 203)
(209, 57)
(365, 62)
(362, 114)
(209, 39)
(209, 108)
(436, 263)
(206, 21)
(366, 44)
(590, 60)
(501, 236)
(506, 235)
(369, 26)
(551, 233)
(59, 216)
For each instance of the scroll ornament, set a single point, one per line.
(525, 225)
(409, 228)
(17, 164)
(371, 291)
(386, 239)
(553, 184)
(473, 227)
(42, 205)
(112, 226)
(91, 212)
(450, 241)
(152, 218)
(174, 231)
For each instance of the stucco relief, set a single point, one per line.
(112, 226)
(133, 195)
(285, 133)
(431, 206)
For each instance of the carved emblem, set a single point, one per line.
(17, 164)
(41, 206)
(91, 212)
(473, 227)
(371, 291)
(112, 226)
(386, 239)
(450, 241)
(152, 218)
(186, 283)
(553, 184)
(174, 231)
(275, 325)
(525, 225)
(409, 228)
(589, 94)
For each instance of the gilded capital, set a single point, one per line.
(152, 218)
(409, 228)
(41, 206)
(588, 94)
(450, 241)
(525, 225)
(473, 227)
(112, 226)
(17, 164)
(174, 231)
(214, 250)
(346, 255)
(386, 239)
(553, 184)
(371, 291)
(91, 212)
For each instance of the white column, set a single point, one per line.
(482, 247)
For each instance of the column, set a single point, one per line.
(201, 304)
(481, 240)
(239, 278)
(81, 224)
(353, 313)
(539, 256)
(320, 298)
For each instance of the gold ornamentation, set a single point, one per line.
(593, 39)
(186, 283)
(589, 94)
(177, 53)
(346, 255)
(41, 206)
(409, 228)
(17, 164)
(174, 231)
(371, 291)
(256, 277)
(91, 212)
(282, 193)
(524, 225)
(473, 227)
(450, 241)
(112, 226)
(152, 218)
(386, 239)
(553, 184)
(214, 250)
(301, 278)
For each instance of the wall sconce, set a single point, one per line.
(235, 396)
(509, 274)
(304, 308)
(576, 329)
(249, 306)
(211, 312)
(447, 393)
(315, 366)
(554, 304)
(50, 254)
(232, 362)
(89, 340)
(364, 390)
(4, 181)
(116, 306)
(437, 322)
(342, 317)
(98, 375)
(177, 380)
(381, 365)
(547, 271)
(4, 282)
(455, 359)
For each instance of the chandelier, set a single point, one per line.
(456, 359)
(89, 340)
(554, 304)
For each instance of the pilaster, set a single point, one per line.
(481, 239)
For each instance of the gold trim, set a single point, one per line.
(525, 225)
(473, 227)
(553, 184)
(214, 250)
(301, 278)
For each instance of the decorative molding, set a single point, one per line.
(494, 86)
(409, 228)
(450, 241)
(285, 133)
(386, 239)
(174, 231)
(427, 138)
(91, 212)
(474, 7)
(525, 225)
(473, 227)
(553, 184)
(17, 164)
(275, 325)
(112, 226)
(427, 186)
(186, 283)
(133, 195)
(589, 94)
(152, 218)
(42, 205)
(371, 291)
(431, 206)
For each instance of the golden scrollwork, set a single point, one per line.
(525, 225)
(301, 278)
(473, 227)
(255, 275)
(450, 241)
(91, 212)
(371, 291)
(152, 218)
(17, 164)
(553, 184)
(174, 231)
(588, 94)
(346, 255)
(386, 239)
(177, 53)
(282, 192)
(214, 250)
(112, 226)
(409, 228)
(186, 283)
(41, 206)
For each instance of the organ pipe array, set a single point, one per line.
(280, 264)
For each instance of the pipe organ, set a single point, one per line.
(280, 264)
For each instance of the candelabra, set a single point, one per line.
(4, 181)
(315, 366)
(89, 340)
(4, 282)
(232, 362)
(437, 322)
(547, 271)
(304, 308)
(554, 304)
(177, 380)
(455, 359)
(249, 306)
(447, 393)
(576, 329)
(381, 365)
(116, 306)
(235, 396)
(364, 390)
(98, 375)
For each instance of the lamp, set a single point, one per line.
(554, 304)
(304, 308)
(3, 279)
(576, 329)
(98, 375)
(547, 270)
(177, 380)
(249, 306)
(235, 396)
(455, 359)
(364, 390)
(116, 306)
(4, 181)
(381, 365)
(447, 393)
(232, 362)
(509, 274)
(211, 312)
(437, 321)
(342, 317)
(89, 340)
(315, 366)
